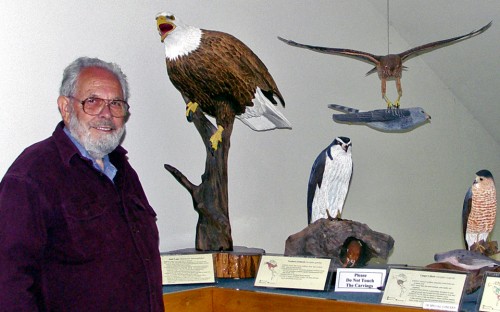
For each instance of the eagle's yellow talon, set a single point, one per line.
(216, 138)
(191, 107)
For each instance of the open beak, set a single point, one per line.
(164, 27)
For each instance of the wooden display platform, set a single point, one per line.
(210, 299)
(242, 262)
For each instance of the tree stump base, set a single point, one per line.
(241, 262)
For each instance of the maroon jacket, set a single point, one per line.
(70, 239)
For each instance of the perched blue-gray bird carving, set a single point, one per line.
(479, 209)
(329, 180)
(466, 259)
(387, 120)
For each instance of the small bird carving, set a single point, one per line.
(466, 259)
(329, 180)
(386, 120)
(479, 209)
(388, 66)
(353, 254)
(221, 75)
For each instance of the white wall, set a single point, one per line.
(409, 185)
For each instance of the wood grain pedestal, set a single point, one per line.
(241, 262)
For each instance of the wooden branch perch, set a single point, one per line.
(181, 178)
(210, 198)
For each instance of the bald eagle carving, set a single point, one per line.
(218, 73)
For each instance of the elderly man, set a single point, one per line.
(76, 230)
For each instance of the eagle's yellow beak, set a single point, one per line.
(164, 27)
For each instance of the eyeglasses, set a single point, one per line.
(93, 106)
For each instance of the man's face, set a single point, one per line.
(102, 133)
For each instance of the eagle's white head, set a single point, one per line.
(179, 39)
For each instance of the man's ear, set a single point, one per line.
(63, 103)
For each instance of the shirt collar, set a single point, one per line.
(109, 169)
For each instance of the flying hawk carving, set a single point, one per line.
(388, 66)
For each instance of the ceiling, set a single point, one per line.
(472, 72)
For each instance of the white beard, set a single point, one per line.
(97, 147)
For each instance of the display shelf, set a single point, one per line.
(229, 300)
(240, 295)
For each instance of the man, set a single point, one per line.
(76, 230)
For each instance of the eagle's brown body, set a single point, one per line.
(219, 59)
(218, 73)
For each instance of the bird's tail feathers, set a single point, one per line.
(263, 115)
(342, 108)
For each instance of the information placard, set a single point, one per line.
(359, 280)
(187, 269)
(292, 272)
(426, 289)
(490, 294)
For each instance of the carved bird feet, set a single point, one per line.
(216, 138)
(191, 107)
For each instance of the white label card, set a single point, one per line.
(424, 289)
(187, 269)
(490, 299)
(359, 280)
(292, 272)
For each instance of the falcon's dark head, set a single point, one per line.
(484, 178)
(343, 142)
(484, 173)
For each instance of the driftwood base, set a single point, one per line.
(241, 262)
(348, 243)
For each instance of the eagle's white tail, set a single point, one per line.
(263, 115)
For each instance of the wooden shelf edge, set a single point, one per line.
(211, 299)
